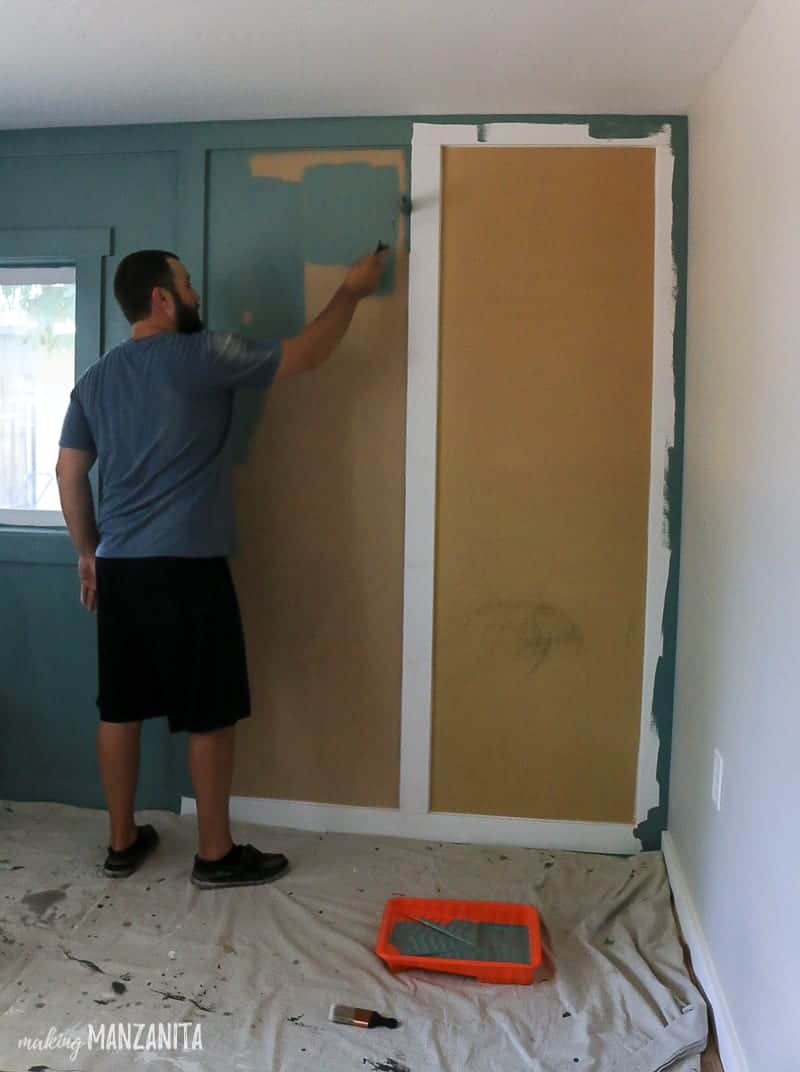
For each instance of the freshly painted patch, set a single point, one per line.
(347, 210)
(625, 126)
(264, 229)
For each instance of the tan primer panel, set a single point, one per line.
(543, 479)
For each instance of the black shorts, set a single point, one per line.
(170, 643)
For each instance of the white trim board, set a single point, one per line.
(616, 838)
(662, 438)
(730, 1048)
(48, 519)
(422, 390)
(428, 142)
(563, 135)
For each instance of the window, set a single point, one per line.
(37, 373)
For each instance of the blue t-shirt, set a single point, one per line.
(156, 412)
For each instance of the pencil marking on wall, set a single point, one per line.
(528, 630)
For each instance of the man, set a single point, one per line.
(155, 412)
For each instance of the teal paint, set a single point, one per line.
(347, 210)
(263, 231)
(649, 831)
(48, 675)
(187, 187)
(46, 244)
(191, 195)
(628, 126)
(29, 546)
(48, 672)
(254, 264)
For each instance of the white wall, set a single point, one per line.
(68, 64)
(738, 684)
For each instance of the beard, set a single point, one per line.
(187, 318)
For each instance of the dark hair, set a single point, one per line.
(135, 278)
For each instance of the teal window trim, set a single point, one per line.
(36, 546)
(84, 248)
(47, 245)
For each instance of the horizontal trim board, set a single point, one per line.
(42, 273)
(613, 838)
(46, 243)
(42, 547)
(320, 133)
(47, 519)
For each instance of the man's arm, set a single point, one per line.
(72, 473)
(320, 338)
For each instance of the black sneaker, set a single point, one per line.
(124, 863)
(244, 865)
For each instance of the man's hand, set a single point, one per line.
(72, 473)
(364, 276)
(86, 572)
(317, 341)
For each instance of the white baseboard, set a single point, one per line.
(730, 1049)
(615, 838)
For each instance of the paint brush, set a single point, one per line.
(346, 1014)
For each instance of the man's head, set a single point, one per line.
(152, 285)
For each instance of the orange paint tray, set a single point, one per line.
(403, 909)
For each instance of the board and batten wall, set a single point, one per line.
(266, 215)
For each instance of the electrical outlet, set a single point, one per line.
(716, 779)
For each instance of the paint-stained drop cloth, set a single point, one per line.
(258, 968)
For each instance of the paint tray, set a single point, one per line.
(454, 918)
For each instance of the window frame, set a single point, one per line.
(81, 248)
(27, 515)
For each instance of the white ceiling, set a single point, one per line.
(89, 62)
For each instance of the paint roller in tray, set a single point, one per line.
(491, 941)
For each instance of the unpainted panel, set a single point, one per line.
(543, 480)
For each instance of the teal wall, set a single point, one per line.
(186, 187)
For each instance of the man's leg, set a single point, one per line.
(118, 752)
(211, 766)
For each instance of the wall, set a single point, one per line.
(161, 186)
(738, 672)
(47, 655)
